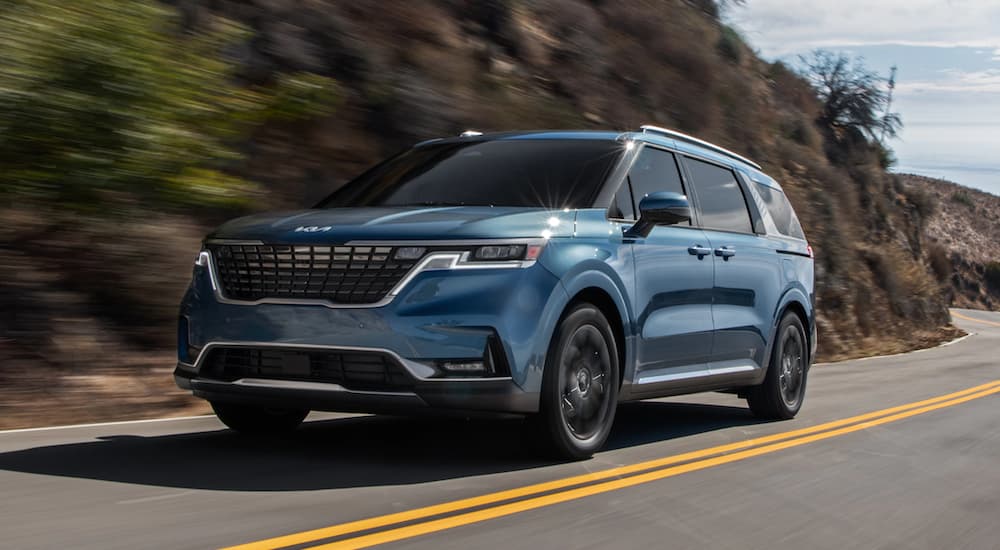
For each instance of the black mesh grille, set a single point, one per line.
(355, 370)
(339, 274)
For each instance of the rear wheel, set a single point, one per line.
(780, 396)
(250, 419)
(580, 385)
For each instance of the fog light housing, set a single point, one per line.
(493, 363)
(186, 351)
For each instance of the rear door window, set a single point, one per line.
(721, 202)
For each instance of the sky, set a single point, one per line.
(948, 80)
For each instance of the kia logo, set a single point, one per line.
(312, 229)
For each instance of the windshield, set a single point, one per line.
(549, 173)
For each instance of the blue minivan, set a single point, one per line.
(549, 274)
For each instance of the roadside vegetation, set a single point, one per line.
(120, 134)
(129, 128)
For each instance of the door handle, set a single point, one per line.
(725, 252)
(698, 250)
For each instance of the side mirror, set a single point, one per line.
(660, 208)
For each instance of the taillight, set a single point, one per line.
(809, 249)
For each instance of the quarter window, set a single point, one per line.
(720, 198)
(781, 211)
(621, 207)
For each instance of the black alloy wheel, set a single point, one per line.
(780, 396)
(580, 384)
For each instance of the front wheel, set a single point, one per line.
(250, 419)
(780, 396)
(580, 385)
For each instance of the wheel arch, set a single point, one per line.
(794, 301)
(599, 298)
(597, 283)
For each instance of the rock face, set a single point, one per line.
(963, 237)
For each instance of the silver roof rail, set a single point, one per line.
(691, 139)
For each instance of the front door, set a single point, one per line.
(673, 282)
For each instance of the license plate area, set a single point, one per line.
(292, 364)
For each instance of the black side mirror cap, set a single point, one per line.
(660, 208)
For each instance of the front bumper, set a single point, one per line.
(440, 316)
(487, 395)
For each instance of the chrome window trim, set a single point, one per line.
(435, 261)
(407, 364)
(700, 142)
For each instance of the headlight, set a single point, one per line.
(204, 263)
(500, 252)
(203, 259)
(507, 252)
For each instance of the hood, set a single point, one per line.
(340, 225)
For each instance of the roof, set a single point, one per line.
(533, 134)
(652, 134)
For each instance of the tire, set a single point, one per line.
(579, 386)
(249, 419)
(781, 394)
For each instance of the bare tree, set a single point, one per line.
(714, 7)
(853, 96)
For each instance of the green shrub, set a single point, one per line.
(799, 129)
(730, 44)
(886, 156)
(105, 105)
(923, 201)
(963, 197)
(992, 275)
(940, 261)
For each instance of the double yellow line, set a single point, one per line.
(967, 318)
(421, 521)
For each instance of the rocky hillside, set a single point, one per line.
(963, 237)
(84, 291)
(414, 70)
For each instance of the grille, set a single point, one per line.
(339, 274)
(366, 371)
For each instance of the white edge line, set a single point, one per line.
(100, 424)
(870, 357)
(179, 418)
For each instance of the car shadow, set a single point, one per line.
(348, 452)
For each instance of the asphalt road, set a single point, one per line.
(873, 461)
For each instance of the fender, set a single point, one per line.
(594, 272)
(794, 294)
